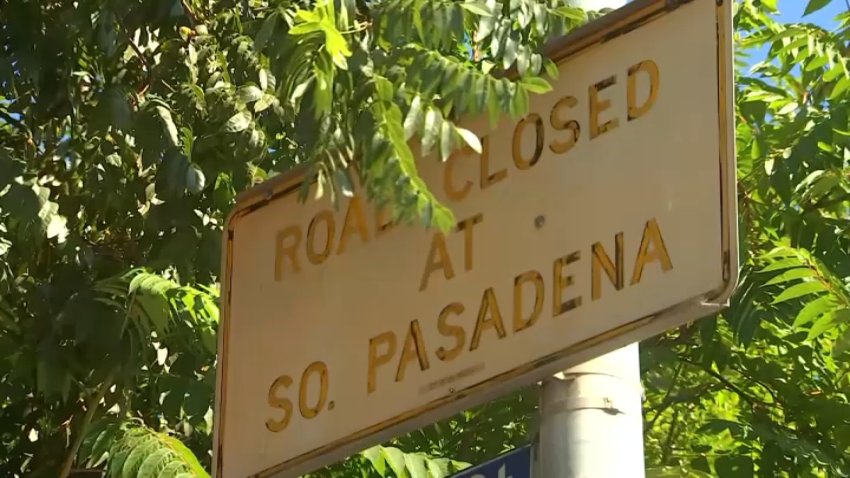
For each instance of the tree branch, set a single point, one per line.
(91, 407)
(139, 54)
(664, 401)
(826, 202)
(193, 20)
(731, 386)
(671, 433)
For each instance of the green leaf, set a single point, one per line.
(734, 466)
(438, 468)
(536, 63)
(840, 87)
(195, 179)
(265, 33)
(188, 141)
(139, 452)
(249, 93)
(476, 6)
(799, 290)
(376, 458)
(470, 138)
(551, 68)
(783, 264)
(100, 446)
(168, 124)
(173, 470)
(510, 54)
(446, 140)
(305, 28)
(413, 120)
(834, 72)
(799, 273)
(136, 457)
(344, 182)
(433, 125)
(814, 309)
(536, 85)
(416, 465)
(198, 400)
(821, 325)
(395, 458)
(485, 27)
(336, 45)
(263, 103)
(384, 88)
(842, 344)
(154, 463)
(815, 5)
(238, 122)
(57, 228)
(523, 60)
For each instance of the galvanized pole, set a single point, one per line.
(591, 423)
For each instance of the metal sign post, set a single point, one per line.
(590, 420)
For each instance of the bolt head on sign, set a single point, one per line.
(604, 216)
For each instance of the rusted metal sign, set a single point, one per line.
(605, 216)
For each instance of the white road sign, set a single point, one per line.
(605, 216)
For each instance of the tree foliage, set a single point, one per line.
(127, 128)
(136, 451)
(761, 390)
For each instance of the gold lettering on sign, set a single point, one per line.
(533, 277)
(276, 401)
(448, 174)
(447, 330)
(282, 250)
(434, 263)
(521, 162)
(488, 179)
(375, 360)
(313, 256)
(489, 307)
(651, 69)
(658, 252)
(561, 282)
(600, 260)
(414, 348)
(355, 220)
(466, 226)
(306, 410)
(597, 106)
(561, 124)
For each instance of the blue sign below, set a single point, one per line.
(513, 464)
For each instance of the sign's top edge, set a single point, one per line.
(557, 50)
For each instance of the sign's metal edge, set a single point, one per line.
(624, 19)
(728, 163)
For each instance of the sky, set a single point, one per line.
(792, 10)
